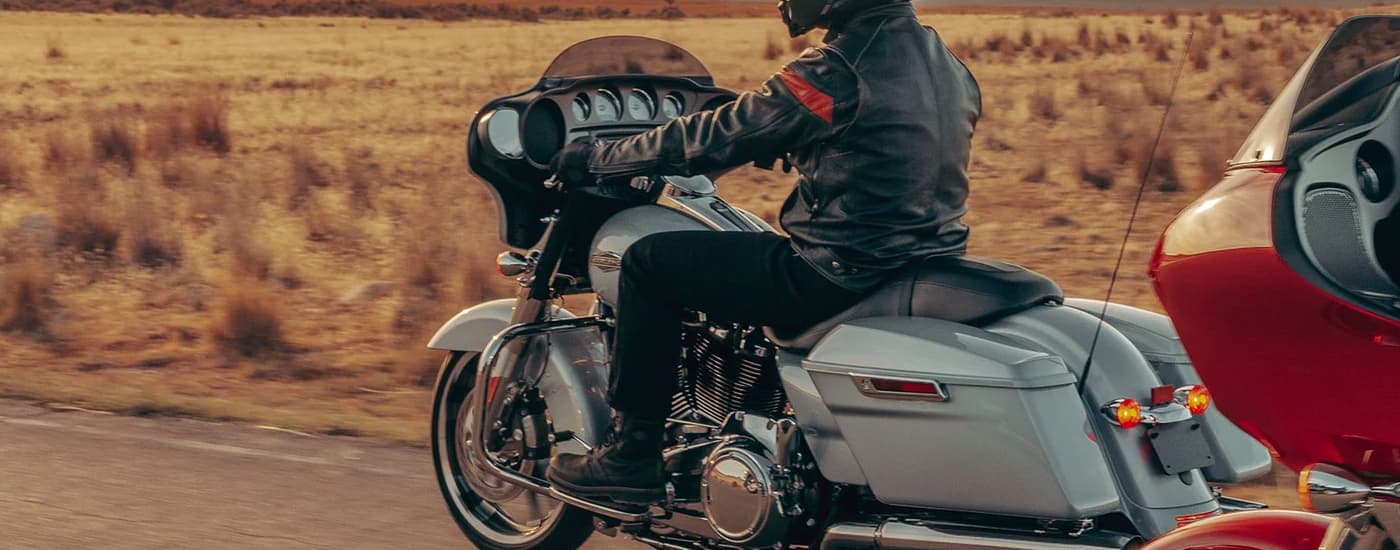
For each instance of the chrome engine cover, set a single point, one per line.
(740, 497)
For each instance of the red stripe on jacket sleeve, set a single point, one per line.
(817, 101)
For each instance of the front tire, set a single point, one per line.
(488, 523)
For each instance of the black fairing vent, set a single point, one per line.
(726, 370)
(1388, 245)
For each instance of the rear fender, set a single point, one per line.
(1261, 530)
(1238, 457)
(575, 379)
(1150, 498)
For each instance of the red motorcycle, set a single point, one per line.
(1283, 282)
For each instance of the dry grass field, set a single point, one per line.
(264, 218)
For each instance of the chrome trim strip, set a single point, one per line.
(679, 205)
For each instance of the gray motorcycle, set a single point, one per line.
(966, 404)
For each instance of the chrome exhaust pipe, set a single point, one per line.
(897, 535)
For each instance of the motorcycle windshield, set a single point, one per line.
(1345, 81)
(623, 55)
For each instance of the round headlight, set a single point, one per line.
(500, 132)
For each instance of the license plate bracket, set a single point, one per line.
(1180, 446)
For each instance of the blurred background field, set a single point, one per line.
(264, 218)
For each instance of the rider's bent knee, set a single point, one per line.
(640, 258)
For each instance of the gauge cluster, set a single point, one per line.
(532, 126)
(604, 108)
(639, 105)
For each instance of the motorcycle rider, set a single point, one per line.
(878, 122)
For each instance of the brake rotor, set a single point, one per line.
(489, 487)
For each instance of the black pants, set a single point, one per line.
(748, 278)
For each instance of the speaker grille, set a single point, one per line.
(1332, 229)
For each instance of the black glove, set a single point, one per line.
(570, 164)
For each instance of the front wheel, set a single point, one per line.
(492, 513)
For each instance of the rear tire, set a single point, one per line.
(484, 522)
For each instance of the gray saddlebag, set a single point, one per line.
(1010, 438)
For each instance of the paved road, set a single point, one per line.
(81, 480)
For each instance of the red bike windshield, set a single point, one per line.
(1343, 82)
(623, 55)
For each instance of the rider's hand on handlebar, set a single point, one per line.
(570, 165)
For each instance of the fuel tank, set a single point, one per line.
(696, 213)
(619, 232)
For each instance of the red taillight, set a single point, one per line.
(1195, 398)
(1126, 412)
(1162, 395)
(900, 388)
(904, 386)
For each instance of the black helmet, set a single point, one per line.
(801, 16)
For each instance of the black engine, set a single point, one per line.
(727, 368)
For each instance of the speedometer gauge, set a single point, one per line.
(581, 108)
(672, 106)
(640, 105)
(606, 106)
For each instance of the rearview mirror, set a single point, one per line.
(1328, 489)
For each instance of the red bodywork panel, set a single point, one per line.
(1262, 530)
(1307, 373)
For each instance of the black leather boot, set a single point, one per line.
(626, 468)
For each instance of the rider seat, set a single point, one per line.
(963, 289)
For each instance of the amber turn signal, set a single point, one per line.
(1126, 412)
(1195, 398)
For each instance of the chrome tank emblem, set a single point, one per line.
(606, 261)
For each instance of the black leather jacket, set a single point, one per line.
(878, 122)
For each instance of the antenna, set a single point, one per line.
(1132, 218)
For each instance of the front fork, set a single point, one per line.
(528, 320)
(489, 464)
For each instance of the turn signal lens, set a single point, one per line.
(1305, 489)
(1198, 400)
(1128, 413)
(1195, 398)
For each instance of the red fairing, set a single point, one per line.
(1262, 530)
(1304, 371)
